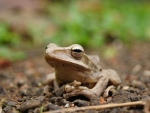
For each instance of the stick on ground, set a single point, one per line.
(98, 107)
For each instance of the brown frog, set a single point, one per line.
(77, 73)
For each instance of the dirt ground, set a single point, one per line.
(23, 84)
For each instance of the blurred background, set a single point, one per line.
(103, 26)
(116, 30)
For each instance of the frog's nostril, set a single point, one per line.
(46, 47)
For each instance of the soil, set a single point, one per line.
(23, 85)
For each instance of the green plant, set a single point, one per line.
(9, 41)
(41, 109)
(10, 54)
(126, 21)
(8, 37)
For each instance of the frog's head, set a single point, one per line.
(71, 55)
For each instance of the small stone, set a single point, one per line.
(66, 106)
(136, 69)
(18, 106)
(63, 102)
(125, 87)
(23, 92)
(10, 103)
(46, 89)
(138, 84)
(7, 109)
(20, 100)
(29, 104)
(94, 101)
(109, 99)
(2, 91)
(40, 98)
(146, 73)
(81, 103)
(52, 107)
(56, 100)
(72, 105)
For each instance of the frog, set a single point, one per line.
(77, 73)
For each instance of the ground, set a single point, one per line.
(23, 85)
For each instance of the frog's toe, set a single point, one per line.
(111, 89)
(69, 88)
(71, 94)
(86, 92)
(76, 83)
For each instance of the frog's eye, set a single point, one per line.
(77, 51)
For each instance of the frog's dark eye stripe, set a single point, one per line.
(77, 50)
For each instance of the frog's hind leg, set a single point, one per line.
(100, 86)
(113, 76)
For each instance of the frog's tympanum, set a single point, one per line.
(77, 73)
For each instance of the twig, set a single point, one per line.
(98, 107)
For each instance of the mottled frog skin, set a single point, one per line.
(77, 73)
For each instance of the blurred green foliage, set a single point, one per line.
(89, 23)
(8, 41)
(7, 37)
(93, 23)
(12, 55)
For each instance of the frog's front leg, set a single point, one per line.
(96, 91)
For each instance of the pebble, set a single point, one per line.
(9, 109)
(56, 100)
(136, 69)
(94, 101)
(146, 73)
(30, 104)
(134, 90)
(134, 98)
(66, 106)
(52, 107)
(109, 99)
(72, 105)
(138, 84)
(125, 87)
(81, 103)
(40, 98)
(46, 89)
(63, 102)
(2, 91)
(10, 103)
(23, 93)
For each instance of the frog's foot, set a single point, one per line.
(96, 91)
(81, 91)
(111, 89)
(71, 86)
(68, 87)
(75, 83)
